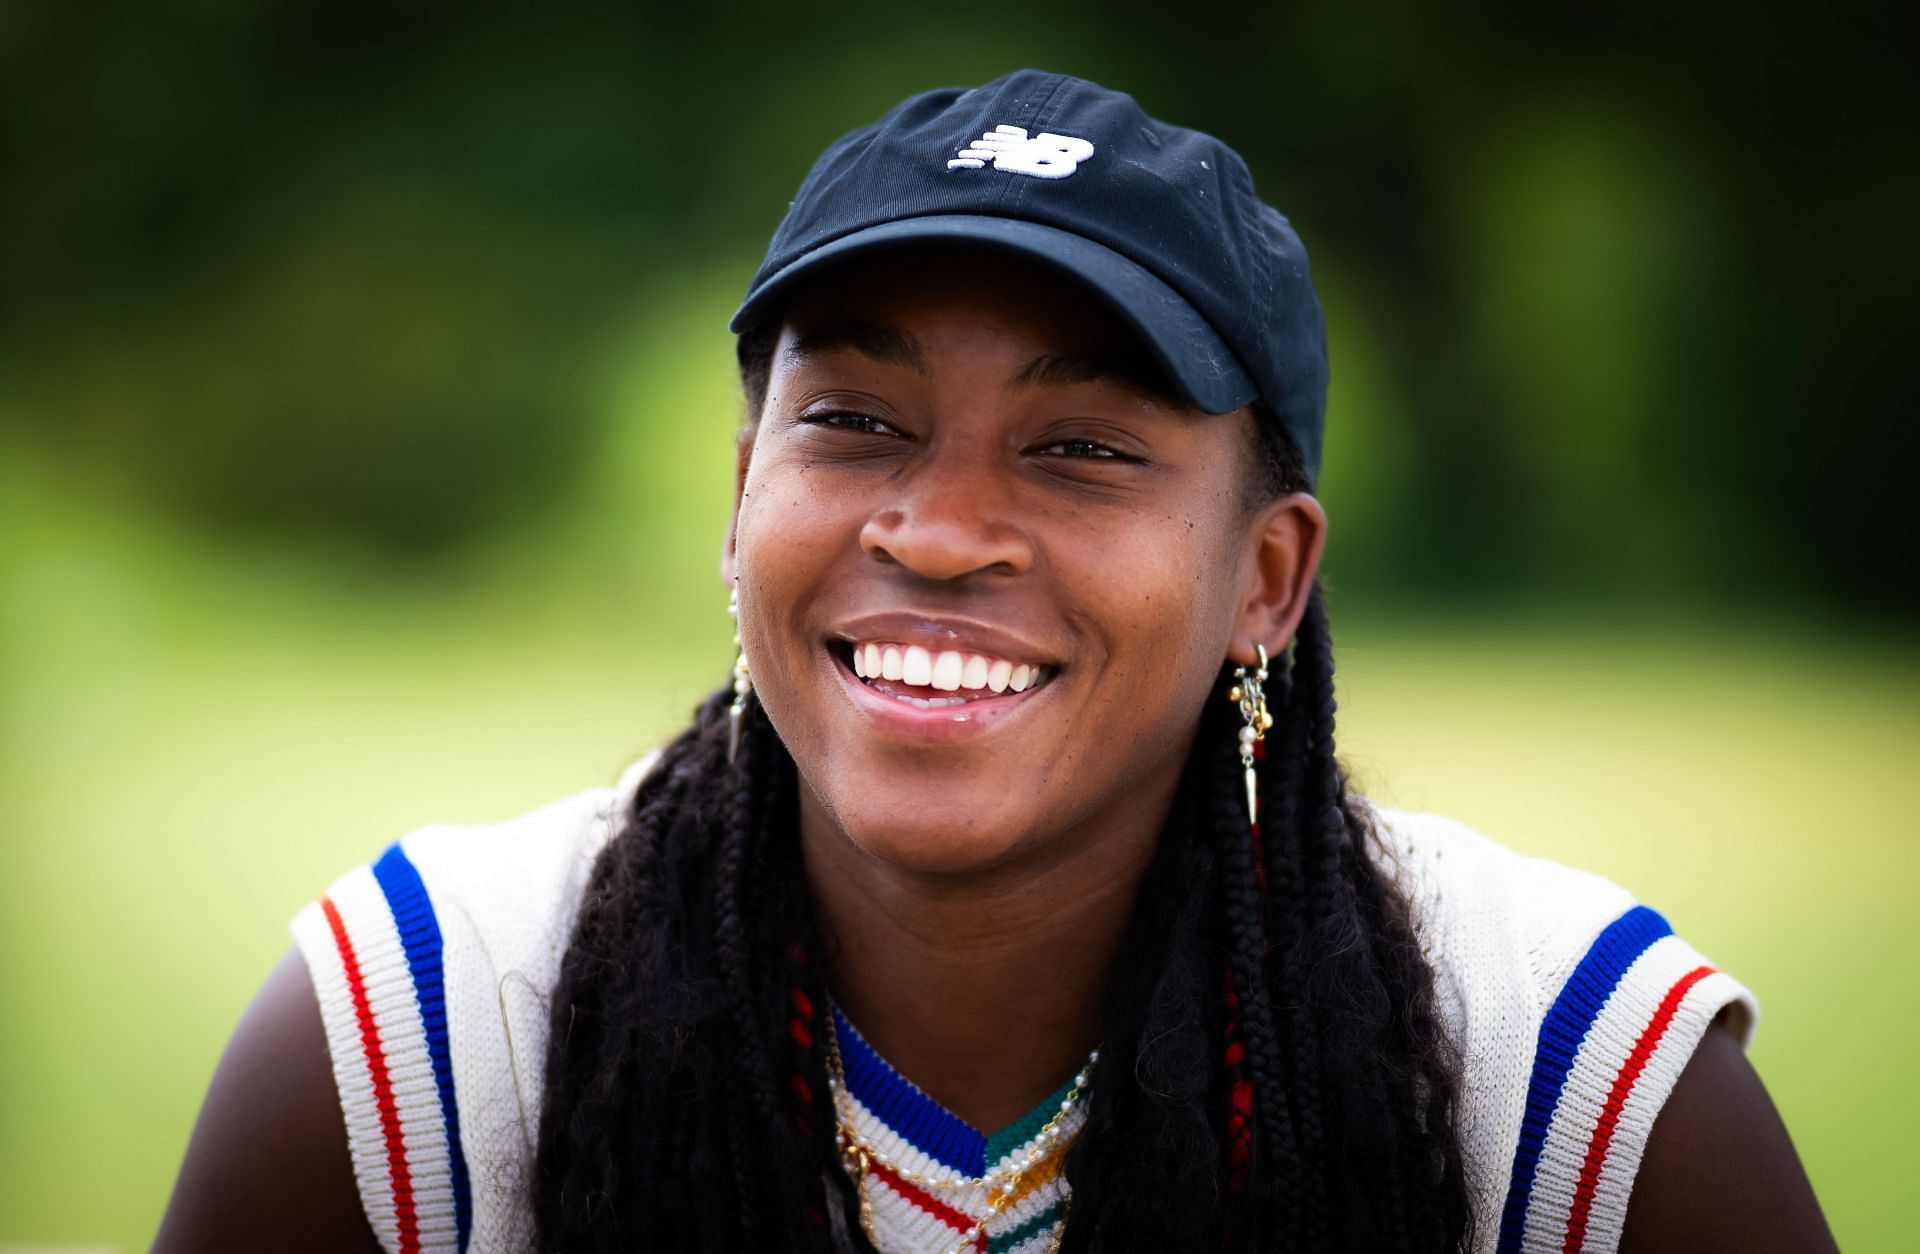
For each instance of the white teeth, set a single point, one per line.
(975, 676)
(946, 670)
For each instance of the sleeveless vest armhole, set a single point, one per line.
(1574, 1009)
(432, 967)
(1612, 1042)
(373, 948)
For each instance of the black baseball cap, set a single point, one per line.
(1161, 222)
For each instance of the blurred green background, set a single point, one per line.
(365, 416)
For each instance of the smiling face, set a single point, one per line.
(988, 569)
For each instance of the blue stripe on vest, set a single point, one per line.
(923, 1122)
(1561, 1032)
(420, 938)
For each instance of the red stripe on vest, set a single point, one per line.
(1623, 1083)
(958, 1220)
(404, 1217)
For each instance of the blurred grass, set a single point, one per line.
(195, 738)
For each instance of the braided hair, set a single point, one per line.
(1274, 1073)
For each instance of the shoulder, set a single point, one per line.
(431, 966)
(1494, 922)
(1574, 1008)
(509, 886)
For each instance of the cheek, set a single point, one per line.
(1162, 596)
(788, 524)
(789, 537)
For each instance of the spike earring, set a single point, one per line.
(742, 679)
(1249, 692)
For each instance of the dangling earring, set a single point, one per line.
(1249, 692)
(742, 680)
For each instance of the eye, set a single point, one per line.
(850, 422)
(1081, 449)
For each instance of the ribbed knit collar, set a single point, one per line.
(924, 1123)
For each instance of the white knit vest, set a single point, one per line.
(1574, 1011)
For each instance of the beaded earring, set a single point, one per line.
(1250, 694)
(742, 679)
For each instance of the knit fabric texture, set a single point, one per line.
(928, 1194)
(1574, 1009)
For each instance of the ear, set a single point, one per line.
(1283, 554)
(742, 459)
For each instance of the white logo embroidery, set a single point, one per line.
(1044, 156)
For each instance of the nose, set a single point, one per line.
(948, 519)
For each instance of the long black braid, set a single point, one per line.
(1274, 1072)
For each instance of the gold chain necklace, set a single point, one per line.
(1000, 1186)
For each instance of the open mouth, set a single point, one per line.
(936, 679)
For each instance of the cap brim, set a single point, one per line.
(1183, 342)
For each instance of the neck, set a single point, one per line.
(983, 988)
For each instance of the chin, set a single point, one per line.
(939, 832)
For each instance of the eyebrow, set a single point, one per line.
(882, 344)
(1120, 369)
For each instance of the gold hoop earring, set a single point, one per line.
(742, 679)
(1249, 692)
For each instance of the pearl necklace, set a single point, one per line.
(1000, 1186)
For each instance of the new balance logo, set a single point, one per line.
(1044, 156)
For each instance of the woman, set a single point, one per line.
(1011, 897)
